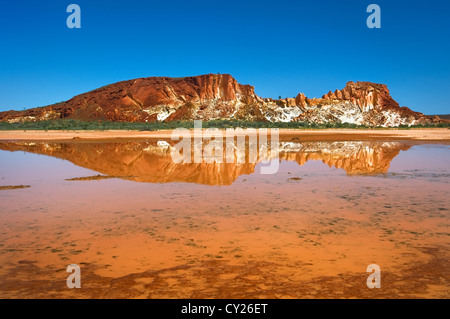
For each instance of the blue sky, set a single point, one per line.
(281, 47)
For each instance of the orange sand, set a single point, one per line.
(415, 134)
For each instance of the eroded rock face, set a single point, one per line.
(365, 95)
(220, 96)
(369, 104)
(150, 99)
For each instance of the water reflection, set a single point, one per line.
(150, 161)
(306, 232)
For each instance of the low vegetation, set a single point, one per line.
(69, 125)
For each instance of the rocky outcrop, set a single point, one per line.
(148, 100)
(220, 96)
(365, 95)
(370, 104)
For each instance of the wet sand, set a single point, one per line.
(442, 134)
(309, 231)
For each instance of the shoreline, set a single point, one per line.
(427, 134)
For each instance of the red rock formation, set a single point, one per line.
(135, 100)
(215, 96)
(372, 99)
(301, 100)
(366, 95)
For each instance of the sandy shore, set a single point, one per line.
(413, 134)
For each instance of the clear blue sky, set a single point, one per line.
(281, 47)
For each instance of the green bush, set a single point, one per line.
(67, 125)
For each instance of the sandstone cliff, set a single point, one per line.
(215, 96)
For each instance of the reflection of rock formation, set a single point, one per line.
(151, 161)
(356, 158)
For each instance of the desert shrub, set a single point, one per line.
(70, 124)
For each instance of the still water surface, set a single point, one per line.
(156, 229)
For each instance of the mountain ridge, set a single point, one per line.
(220, 96)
